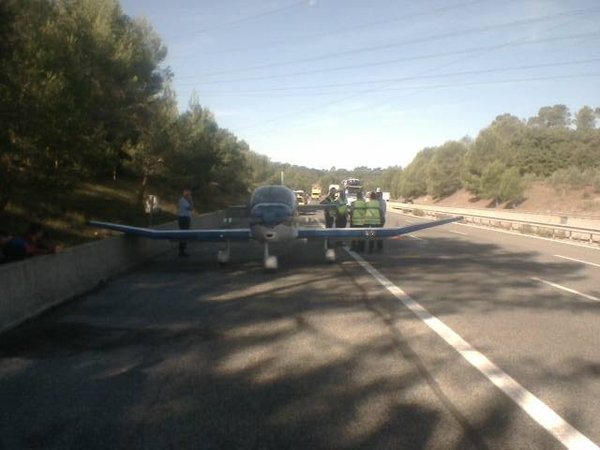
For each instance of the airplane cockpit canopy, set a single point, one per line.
(273, 194)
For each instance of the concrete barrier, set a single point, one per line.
(29, 287)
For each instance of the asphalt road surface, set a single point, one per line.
(454, 338)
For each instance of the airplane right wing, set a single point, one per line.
(370, 233)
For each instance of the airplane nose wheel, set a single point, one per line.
(330, 255)
(270, 261)
(329, 252)
(223, 255)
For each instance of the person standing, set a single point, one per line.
(383, 209)
(358, 210)
(373, 219)
(341, 218)
(330, 213)
(185, 207)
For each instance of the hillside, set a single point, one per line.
(64, 212)
(539, 198)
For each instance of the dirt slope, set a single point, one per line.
(540, 198)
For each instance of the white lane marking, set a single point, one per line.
(578, 260)
(457, 232)
(564, 288)
(568, 435)
(415, 237)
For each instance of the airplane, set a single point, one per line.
(272, 211)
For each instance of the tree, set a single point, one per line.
(585, 119)
(491, 179)
(512, 186)
(155, 140)
(557, 116)
(500, 141)
(77, 79)
(443, 171)
(194, 157)
(414, 177)
(391, 180)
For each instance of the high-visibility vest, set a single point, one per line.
(373, 213)
(331, 212)
(342, 208)
(359, 210)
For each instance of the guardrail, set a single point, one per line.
(544, 229)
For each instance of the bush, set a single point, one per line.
(575, 178)
(595, 181)
(512, 187)
(545, 232)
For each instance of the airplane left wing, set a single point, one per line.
(214, 235)
(371, 233)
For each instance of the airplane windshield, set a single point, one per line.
(273, 194)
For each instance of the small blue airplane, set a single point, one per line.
(273, 212)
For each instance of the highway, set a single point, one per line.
(456, 337)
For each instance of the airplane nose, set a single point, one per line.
(270, 216)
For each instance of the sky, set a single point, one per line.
(348, 83)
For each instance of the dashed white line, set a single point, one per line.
(568, 435)
(415, 237)
(578, 260)
(457, 232)
(564, 288)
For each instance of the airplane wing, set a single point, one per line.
(372, 233)
(233, 234)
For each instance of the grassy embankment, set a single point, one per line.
(64, 213)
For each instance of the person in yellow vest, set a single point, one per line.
(358, 210)
(374, 219)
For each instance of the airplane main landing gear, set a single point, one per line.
(271, 262)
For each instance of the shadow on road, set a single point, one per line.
(238, 358)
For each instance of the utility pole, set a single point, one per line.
(282, 177)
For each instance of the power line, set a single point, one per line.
(271, 91)
(404, 59)
(457, 33)
(465, 84)
(244, 19)
(348, 97)
(346, 29)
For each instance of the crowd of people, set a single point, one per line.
(363, 212)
